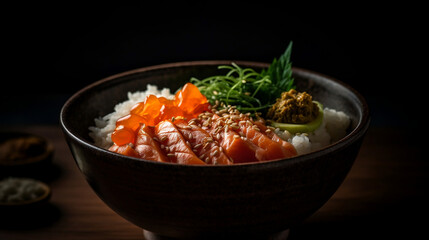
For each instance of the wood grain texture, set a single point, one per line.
(384, 195)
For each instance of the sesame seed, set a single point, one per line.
(229, 121)
(217, 130)
(206, 123)
(222, 111)
(215, 152)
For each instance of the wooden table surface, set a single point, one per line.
(384, 196)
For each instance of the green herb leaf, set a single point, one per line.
(247, 89)
(280, 74)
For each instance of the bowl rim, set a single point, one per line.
(360, 129)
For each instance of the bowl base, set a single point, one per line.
(148, 235)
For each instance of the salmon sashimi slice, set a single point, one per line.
(146, 145)
(174, 145)
(271, 149)
(273, 136)
(203, 144)
(125, 149)
(239, 149)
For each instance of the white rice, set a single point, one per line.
(333, 128)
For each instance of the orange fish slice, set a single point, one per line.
(239, 149)
(146, 145)
(125, 149)
(272, 149)
(174, 145)
(273, 136)
(204, 146)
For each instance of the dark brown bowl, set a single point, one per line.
(183, 201)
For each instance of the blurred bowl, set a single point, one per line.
(182, 201)
(18, 194)
(24, 154)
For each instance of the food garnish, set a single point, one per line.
(247, 89)
(301, 127)
(296, 112)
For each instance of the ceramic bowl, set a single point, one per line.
(183, 201)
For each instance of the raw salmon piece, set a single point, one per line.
(273, 136)
(176, 148)
(125, 149)
(147, 147)
(237, 148)
(271, 149)
(202, 143)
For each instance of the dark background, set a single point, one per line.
(51, 51)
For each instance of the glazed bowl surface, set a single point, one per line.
(187, 201)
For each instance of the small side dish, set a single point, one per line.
(22, 191)
(17, 149)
